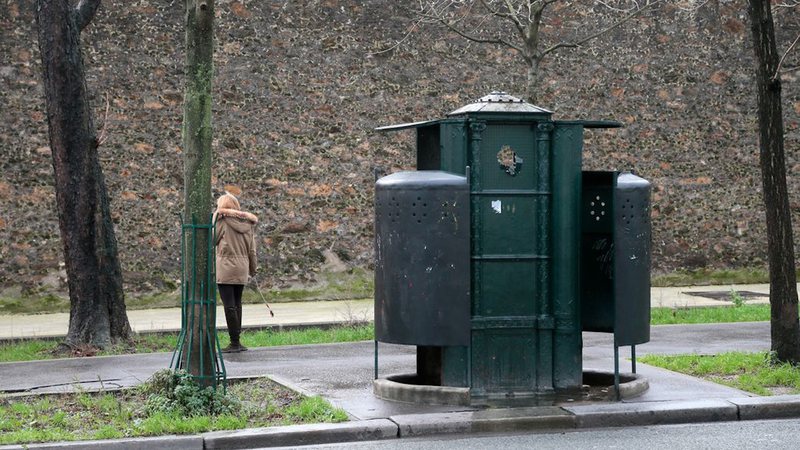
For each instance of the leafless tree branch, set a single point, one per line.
(103, 136)
(783, 58)
(510, 15)
(586, 39)
(437, 15)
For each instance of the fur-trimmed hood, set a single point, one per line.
(243, 220)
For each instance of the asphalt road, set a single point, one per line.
(755, 435)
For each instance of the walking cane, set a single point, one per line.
(254, 286)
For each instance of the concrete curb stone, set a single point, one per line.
(494, 420)
(296, 435)
(144, 443)
(656, 413)
(394, 388)
(776, 407)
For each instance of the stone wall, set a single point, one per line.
(300, 86)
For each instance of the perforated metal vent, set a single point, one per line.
(422, 259)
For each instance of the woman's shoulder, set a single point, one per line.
(236, 214)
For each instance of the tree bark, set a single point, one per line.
(200, 351)
(532, 81)
(785, 327)
(97, 305)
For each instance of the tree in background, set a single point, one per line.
(785, 327)
(97, 305)
(518, 25)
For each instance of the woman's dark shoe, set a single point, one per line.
(234, 348)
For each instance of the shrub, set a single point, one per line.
(178, 393)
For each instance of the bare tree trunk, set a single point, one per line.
(532, 81)
(782, 276)
(97, 305)
(197, 135)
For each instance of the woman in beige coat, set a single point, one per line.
(236, 261)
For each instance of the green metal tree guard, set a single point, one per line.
(199, 308)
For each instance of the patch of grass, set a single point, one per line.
(32, 435)
(710, 314)
(737, 299)
(353, 284)
(30, 350)
(698, 277)
(86, 416)
(751, 372)
(171, 299)
(314, 409)
(34, 304)
(272, 338)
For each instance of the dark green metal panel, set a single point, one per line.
(513, 218)
(505, 287)
(514, 142)
(566, 170)
(510, 257)
(455, 362)
(422, 259)
(441, 145)
(506, 361)
(453, 141)
(632, 260)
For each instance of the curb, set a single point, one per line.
(296, 435)
(777, 407)
(492, 420)
(543, 418)
(145, 443)
(401, 388)
(656, 413)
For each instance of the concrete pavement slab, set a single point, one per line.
(65, 375)
(169, 319)
(716, 295)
